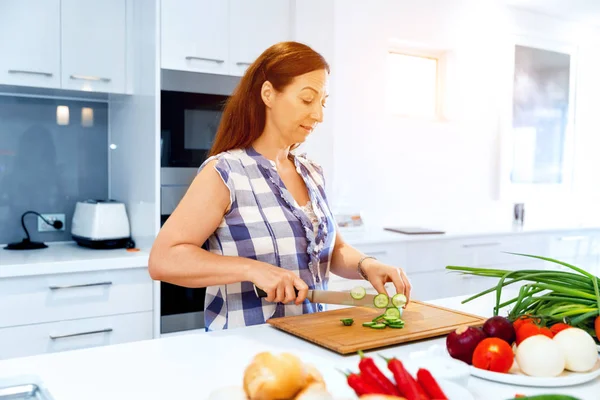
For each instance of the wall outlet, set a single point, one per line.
(44, 227)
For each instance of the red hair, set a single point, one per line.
(244, 116)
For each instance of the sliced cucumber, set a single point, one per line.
(368, 324)
(396, 326)
(399, 300)
(358, 292)
(377, 318)
(392, 312)
(381, 300)
(392, 320)
(378, 326)
(347, 321)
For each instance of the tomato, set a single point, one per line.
(522, 320)
(597, 327)
(559, 327)
(528, 330)
(493, 354)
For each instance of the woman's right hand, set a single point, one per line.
(279, 284)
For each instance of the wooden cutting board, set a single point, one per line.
(422, 321)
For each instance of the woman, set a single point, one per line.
(256, 214)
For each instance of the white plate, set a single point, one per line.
(598, 347)
(516, 377)
(454, 391)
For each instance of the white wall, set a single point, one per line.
(405, 172)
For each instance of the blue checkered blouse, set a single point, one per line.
(265, 223)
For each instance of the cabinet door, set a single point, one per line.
(93, 45)
(30, 45)
(194, 35)
(255, 26)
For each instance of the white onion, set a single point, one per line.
(540, 356)
(581, 354)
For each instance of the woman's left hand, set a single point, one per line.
(379, 274)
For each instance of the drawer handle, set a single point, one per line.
(571, 238)
(378, 253)
(107, 330)
(216, 60)
(89, 78)
(80, 286)
(242, 64)
(490, 244)
(22, 71)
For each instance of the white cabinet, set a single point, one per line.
(93, 43)
(253, 27)
(220, 37)
(29, 340)
(56, 312)
(30, 45)
(195, 35)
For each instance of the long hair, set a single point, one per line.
(244, 116)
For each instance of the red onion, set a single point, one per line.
(462, 342)
(501, 328)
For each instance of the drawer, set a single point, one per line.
(48, 298)
(60, 336)
(389, 253)
(435, 255)
(495, 250)
(571, 245)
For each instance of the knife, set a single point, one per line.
(330, 297)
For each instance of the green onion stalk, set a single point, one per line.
(547, 296)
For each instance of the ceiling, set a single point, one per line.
(586, 11)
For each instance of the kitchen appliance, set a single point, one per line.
(421, 321)
(101, 224)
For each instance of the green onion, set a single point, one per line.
(550, 296)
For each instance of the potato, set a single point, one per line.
(314, 391)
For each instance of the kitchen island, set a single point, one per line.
(191, 366)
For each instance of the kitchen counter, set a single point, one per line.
(191, 366)
(372, 235)
(66, 257)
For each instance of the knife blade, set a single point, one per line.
(330, 297)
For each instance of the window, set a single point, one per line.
(413, 85)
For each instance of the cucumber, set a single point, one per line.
(392, 312)
(381, 300)
(368, 324)
(358, 292)
(396, 326)
(347, 321)
(378, 326)
(399, 300)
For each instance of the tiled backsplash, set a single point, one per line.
(53, 153)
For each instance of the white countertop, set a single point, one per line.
(191, 366)
(374, 235)
(66, 257)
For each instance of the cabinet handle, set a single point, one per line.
(377, 253)
(571, 238)
(22, 71)
(205, 59)
(107, 330)
(80, 286)
(89, 78)
(242, 63)
(490, 244)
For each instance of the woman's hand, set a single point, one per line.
(379, 274)
(278, 283)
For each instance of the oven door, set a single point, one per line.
(181, 308)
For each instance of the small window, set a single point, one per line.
(413, 85)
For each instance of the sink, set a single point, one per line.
(23, 388)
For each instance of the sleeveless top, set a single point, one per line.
(265, 223)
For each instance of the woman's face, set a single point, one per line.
(297, 110)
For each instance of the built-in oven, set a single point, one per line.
(189, 122)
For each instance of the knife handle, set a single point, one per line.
(262, 294)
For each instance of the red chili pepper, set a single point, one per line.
(404, 381)
(360, 386)
(422, 394)
(430, 385)
(372, 374)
